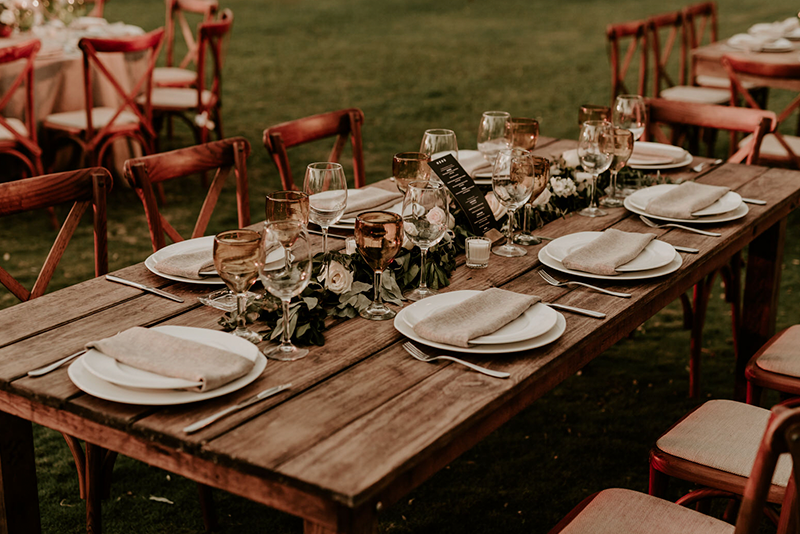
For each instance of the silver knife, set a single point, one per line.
(579, 311)
(202, 423)
(155, 291)
(754, 201)
(688, 250)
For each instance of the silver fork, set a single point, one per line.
(547, 277)
(421, 356)
(653, 224)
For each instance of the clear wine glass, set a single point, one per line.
(237, 256)
(438, 143)
(379, 236)
(288, 278)
(492, 134)
(522, 132)
(512, 183)
(326, 187)
(410, 167)
(593, 112)
(630, 113)
(623, 148)
(425, 215)
(595, 151)
(541, 178)
(286, 205)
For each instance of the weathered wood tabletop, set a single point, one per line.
(364, 423)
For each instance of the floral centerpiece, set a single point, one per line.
(8, 18)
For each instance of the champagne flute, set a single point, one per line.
(286, 205)
(237, 256)
(623, 148)
(593, 112)
(379, 236)
(425, 215)
(522, 132)
(326, 187)
(512, 183)
(595, 151)
(288, 278)
(492, 134)
(541, 178)
(438, 143)
(410, 167)
(630, 113)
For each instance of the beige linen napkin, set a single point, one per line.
(603, 255)
(475, 317)
(166, 355)
(689, 197)
(474, 162)
(188, 265)
(368, 199)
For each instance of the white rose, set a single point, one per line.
(562, 187)
(409, 228)
(350, 246)
(570, 158)
(7, 18)
(498, 210)
(338, 280)
(437, 216)
(582, 180)
(543, 199)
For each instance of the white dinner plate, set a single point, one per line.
(350, 224)
(729, 201)
(183, 247)
(687, 160)
(89, 383)
(671, 267)
(655, 255)
(548, 337)
(637, 200)
(534, 322)
(647, 154)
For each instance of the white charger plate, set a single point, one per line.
(534, 322)
(655, 255)
(350, 224)
(89, 383)
(729, 208)
(687, 160)
(548, 337)
(183, 247)
(671, 267)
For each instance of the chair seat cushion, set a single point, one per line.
(772, 148)
(721, 82)
(724, 435)
(16, 124)
(100, 118)
(700, 95)
(616, 510)
(783, 354)
(173, 76)
(178, 98)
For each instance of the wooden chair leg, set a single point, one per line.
(702, 292)
(94, 487)
(686, 304)
(80, 462)
(658, 483)
(754, 393)
(207, 507)
(108, 468)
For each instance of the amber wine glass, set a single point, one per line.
(237, 255)
(410, 167)
(623, 148)
(593, 112)
(379, 236)
(286, 205)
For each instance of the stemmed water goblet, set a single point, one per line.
(326, 187)
(512, 182)
(492, 134)
(379, 236)
(438, 143)
(425, 215)
(523, 132)
(595, 151)
(623, 148)
(410, 167)
(288, 278)
(541, 178)
(630, 113)
(237, 256)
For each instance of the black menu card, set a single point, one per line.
(466, 194)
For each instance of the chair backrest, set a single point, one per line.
(143, 173)
(95, 65)
(176, 13)
(97, 8)
(342, 124)
(26, 52)
(668, 34)
(84, 188)
(733, 119)
(635, 33)
(211, 38)
(701, 26)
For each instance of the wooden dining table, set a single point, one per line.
(363, 423)
(708, 61)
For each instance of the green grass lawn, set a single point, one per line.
(412, 65)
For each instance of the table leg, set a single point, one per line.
(361, 521)
(95, 455)
(19, 499)
(760, 303)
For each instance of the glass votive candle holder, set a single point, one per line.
(478, 252)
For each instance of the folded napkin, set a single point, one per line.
(154, 351)
(603, 255)
(370, 198)
(188, 265)
(757, 42)
(475, 317)
(473, 162)
(689, 197)
(655, 154)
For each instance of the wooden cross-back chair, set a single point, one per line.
(777, 147)
(343, 124)
(702, 29)
(223, 156)
(18, 138)
(177, 73)
(94, 129)
(98, 6)
(635, 34)
(619, 510)
(200, 106)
